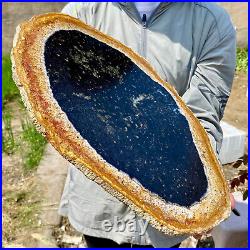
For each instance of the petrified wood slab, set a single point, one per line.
(105, 109)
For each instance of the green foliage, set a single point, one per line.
(29, 143)
(8, 141)
(33, 144)
(242, 59)
(9, 89)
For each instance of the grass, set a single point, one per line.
(35, 144)
(242, 60)
(9, 89)
(28, 143)
(8, 139)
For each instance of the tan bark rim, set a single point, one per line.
(30, 76)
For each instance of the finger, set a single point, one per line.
(232, 201)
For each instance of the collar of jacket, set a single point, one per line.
(130, 9)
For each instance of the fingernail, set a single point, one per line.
(236, 212)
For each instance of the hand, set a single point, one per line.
(198, 236)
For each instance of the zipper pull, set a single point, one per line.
(144, 20)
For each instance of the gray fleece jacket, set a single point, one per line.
(192, 46)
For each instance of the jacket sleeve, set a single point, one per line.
(211, 83)
(78, 10)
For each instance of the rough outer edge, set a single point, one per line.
(30, 76)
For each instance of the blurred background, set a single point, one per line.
(34, 173)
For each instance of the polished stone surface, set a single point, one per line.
(130, 120)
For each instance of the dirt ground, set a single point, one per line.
(236, 114)
(21, 196)
(236, 109)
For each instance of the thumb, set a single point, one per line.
(232, 201)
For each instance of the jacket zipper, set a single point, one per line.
(143, 35)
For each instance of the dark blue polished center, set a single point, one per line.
(129, 119)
